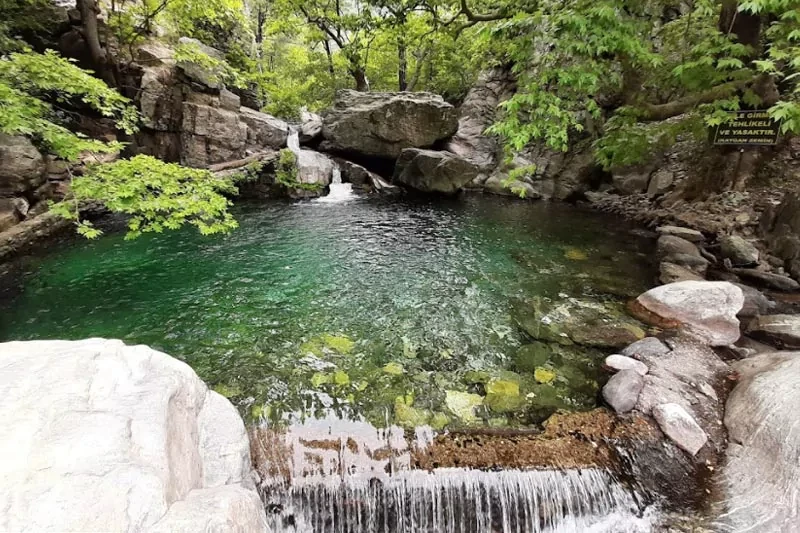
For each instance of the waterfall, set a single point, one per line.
(457, 501)
(338, 191)
(349, 477)
(293, 142)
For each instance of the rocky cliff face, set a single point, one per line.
(190, 117)
(99, 436)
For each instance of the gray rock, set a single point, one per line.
(8, 218)
(698, 264)
(211, 135)
(671, 273)
(755, 302)
(660, 182)
(229, 101)
(478, 111)
(383, 124)
(768, 279)
(154, 53)
(203, 74)
(674, 378)
(22, 167)
(631, 182)
(496, 184)
(669, 245)
(691, 235)
(263, 130)
(779, 330)
(432, 171)
(313, 168)
(679, 426)
(706, 309)
(738, 250)
(647, 348)
(310, 127)
(760, 477)
(622, 391)
(363, 179)
(109, 437)
(617, 363)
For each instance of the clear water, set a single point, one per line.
(304, 306)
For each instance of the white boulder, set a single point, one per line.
(99, 436)
(705, 309)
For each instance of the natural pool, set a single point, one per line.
(396, 310)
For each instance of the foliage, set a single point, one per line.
(157, 196)
(618, 69)
(218, 70)
(35, 87)
(286, 168)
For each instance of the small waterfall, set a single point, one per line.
(338, 191)
(333, 476)
(458, 501)
(293, 141)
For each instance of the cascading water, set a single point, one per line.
(329, 476)
(338, 191)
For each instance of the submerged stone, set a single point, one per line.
(543, 375)
(463, 404)
(410, 417)
(393, 369)
(531, 356)
(574, 321)
(502, 396)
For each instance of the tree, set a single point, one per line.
(35, 89)
(625, 67)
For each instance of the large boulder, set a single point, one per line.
(706, 309)
(478, 112)
(99, 436)
(211, 135)
(432, 171)
(760, 478)
(383, 124)
(22, 167)
(314, 172)
(207, 74)
(263, 131)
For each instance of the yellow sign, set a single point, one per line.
(753, 128)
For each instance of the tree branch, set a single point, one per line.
(655, 112)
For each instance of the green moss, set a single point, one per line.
(502, 396)
(393, 369)
(228, 390)
(463, 404)
(338, 343)
(410, 417)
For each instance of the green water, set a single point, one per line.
(304, 306)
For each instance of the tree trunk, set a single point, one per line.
(329, 54)
(89, 12)
(402, 64)
(360, 77)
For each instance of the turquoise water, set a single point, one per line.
(372, 307)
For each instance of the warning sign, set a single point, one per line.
(753, 128)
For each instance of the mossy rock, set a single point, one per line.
(544, 375)
(393, 369)
(531, 356)
(410, 417)
(463, 404)
(317, 346)
(503, 396)
(472, 377)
